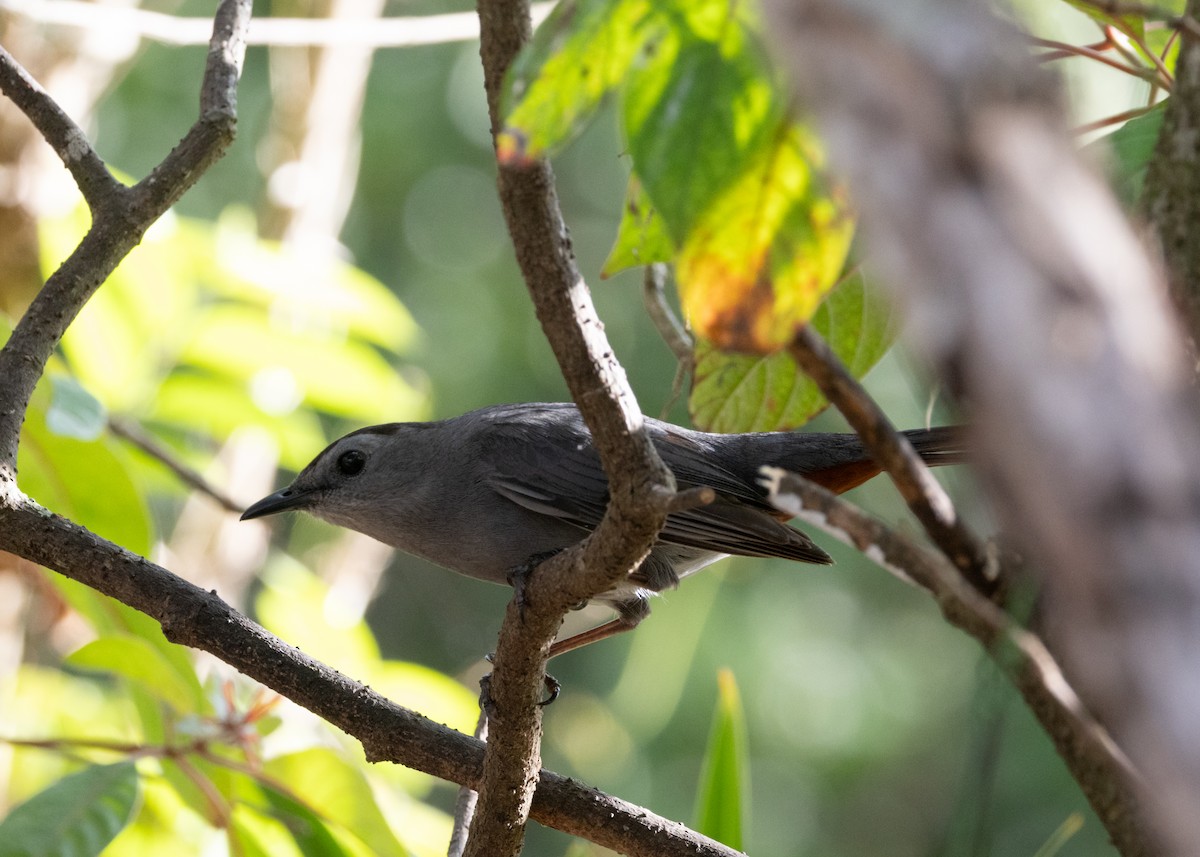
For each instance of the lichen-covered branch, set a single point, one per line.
(1029, 292)
(1171, 197)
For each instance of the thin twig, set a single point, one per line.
(669, 327)
(1133, 57)
(1023, 657)
(1115, 119)
(466, 801)
(134, 435)
(396, 32)
(923, 494)
(1142, 72)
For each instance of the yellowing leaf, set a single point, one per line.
(723, 798)
(766, 251)
(583, 50)
(746, 392)
(642, 237)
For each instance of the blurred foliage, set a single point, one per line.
(217, 750)
(1131, 147)
(869, 727)
(79, 815)
(757, 233)
(209, 329)
(722, 802)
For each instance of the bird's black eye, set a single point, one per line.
(351, 462)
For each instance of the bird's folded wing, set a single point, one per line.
(565, 480)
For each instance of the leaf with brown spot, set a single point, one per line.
(767, 250)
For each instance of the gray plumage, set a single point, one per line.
(483, 493)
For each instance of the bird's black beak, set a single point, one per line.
(280, 501)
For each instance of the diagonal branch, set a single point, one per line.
(134, 435)
(1029, 291)
(67, 139)
(194, 617)
(119, 217)
(1102, 770)
(923, 494)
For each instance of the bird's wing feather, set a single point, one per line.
(559, 474)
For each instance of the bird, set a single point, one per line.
(494, 491)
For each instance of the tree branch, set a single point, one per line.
(120, 216)
(1171, 197)
(1097, 763)
(640, 486)
(924, 495)
(1029, 292)
(193, 617)
(67, 139)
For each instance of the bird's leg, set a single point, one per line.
(629, 614)
(518, 576)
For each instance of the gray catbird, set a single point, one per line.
(496, 489)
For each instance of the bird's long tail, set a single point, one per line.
(937, 447)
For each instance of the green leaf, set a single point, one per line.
(739, 392)
(127, 335)
(436, 695)
(294, 603)
(1132, 25)
(108, 616)
(285, 367)
(309, 830)
(578, 55)
(223, 291)
(254, 834)
(62, 473)
(721, 802)
(327, 294)
(140, 661)
(758, 262)
(220, 406)
(1132, 146)
(74, 412)
(1070, 826)
(642, 238)
(714, 100)
(76, 817)
(326, 780)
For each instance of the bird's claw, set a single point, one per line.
(488, 705)
(518, 577)
(553, 688)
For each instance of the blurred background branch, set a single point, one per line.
(360, 28)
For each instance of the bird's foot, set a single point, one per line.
(488, 705)
(518, 576)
